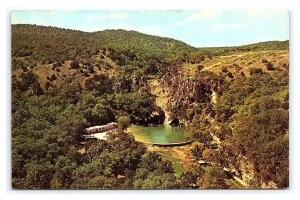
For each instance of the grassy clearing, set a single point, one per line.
(177, 165)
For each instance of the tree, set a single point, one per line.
(196, 149)
(214, 178)
(199, 129)
(99, 113)
(123, 122)
(188, 180)
(39, 174)
(37, 89)
(62, 177)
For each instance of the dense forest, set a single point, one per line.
(232, 101)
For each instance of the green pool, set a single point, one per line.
(157, 134)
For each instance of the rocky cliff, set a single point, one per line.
(188, 96)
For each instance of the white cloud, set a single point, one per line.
(204, 14)
(93, 17)
(267, 14)
(219, 27)
(260, 13)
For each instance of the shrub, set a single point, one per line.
(74, 64)
(52, 77)
(270, 66)
(230, 75)
(24, 68)
(255, 71)
(224, 69)
(86, 74)
(55, 65)
(285, 65)
(200, 67)
(242, 74)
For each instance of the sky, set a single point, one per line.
(201, 28)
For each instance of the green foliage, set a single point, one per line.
(188, 180)
(100, 84)
(199, 129)
(255, 71)
(123, 122)
(55, 44)
(197, 149)
(27, 81)
(214, 178)
(261, 46)
(138, 107)
(260, 126)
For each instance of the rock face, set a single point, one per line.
(157, 117)
(131, 84)
(177, 98)
(186, 95)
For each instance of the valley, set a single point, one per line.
(231, 103)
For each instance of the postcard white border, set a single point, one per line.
(7, 5)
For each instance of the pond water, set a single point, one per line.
(163, 134)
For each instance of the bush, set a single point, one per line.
(24, 68)
(52, 77)
(243, 74)
(47, 85)
(197, 149)
(55, 65)
(255, 70)
(74, 64)
(86, 74)
(270, 66)
(285, 66)
(200, 67)
(230, 75)
(224, 69)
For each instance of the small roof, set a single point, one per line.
(101, 126)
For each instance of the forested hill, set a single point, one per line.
(260, 46)
(52, 43)
(48, 44)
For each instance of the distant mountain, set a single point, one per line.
(260, 46)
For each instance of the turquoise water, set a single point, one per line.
(157, 134)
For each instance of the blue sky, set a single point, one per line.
(201, 28)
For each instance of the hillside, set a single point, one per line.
(67, 44)
(48, 51)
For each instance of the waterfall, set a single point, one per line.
(166, 121)
(214, 97)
